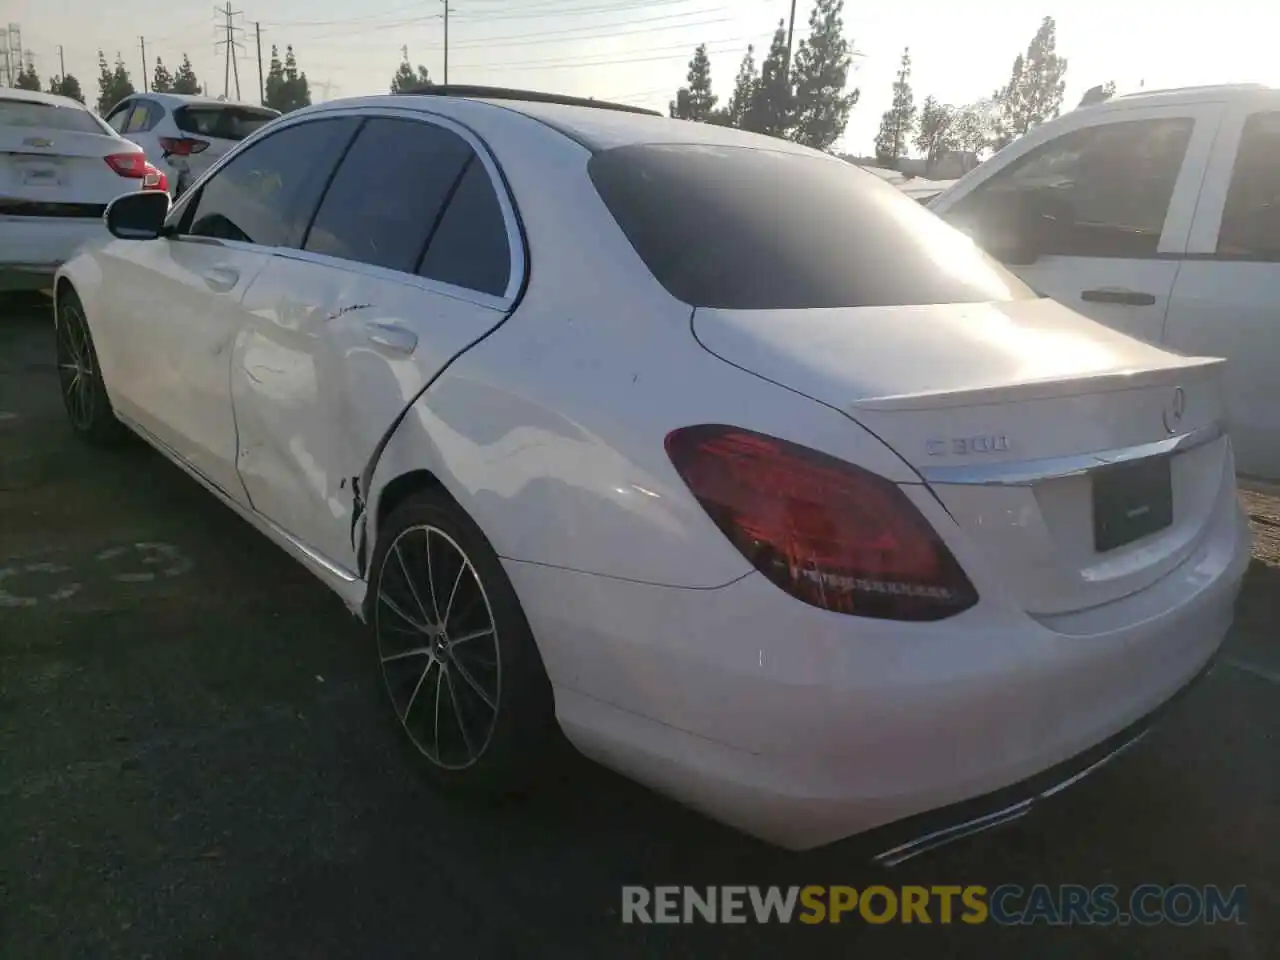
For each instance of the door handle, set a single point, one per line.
(221, 279)
(1127, 298)
(392, 337)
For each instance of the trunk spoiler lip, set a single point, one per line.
(1190, 369)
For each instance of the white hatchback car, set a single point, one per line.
(184, 135)
(60, 166)
(757, 479)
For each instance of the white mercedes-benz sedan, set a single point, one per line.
(721, 456)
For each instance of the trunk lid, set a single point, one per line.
(59, 172)
(1081, 465)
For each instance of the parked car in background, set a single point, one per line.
(1157, 214)
(60, 166)
(185, 135)
(768, 487)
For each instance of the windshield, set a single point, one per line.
(48, 116)
(753, 229)
(222, 123)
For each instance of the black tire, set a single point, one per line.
(437, 682)
(84, 395)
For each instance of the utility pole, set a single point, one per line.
(142, 42)
(446, 40)
(62, 63)
(791, 30)
(231, 66)
(262, 89)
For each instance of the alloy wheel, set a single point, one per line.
(76, 368)
(438, 647)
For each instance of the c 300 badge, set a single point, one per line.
(967, 446)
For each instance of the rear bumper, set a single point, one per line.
(803, 728)
(32, 248)
(909, 838)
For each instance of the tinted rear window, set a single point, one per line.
(224, 123)
(24, 113)
(749, 229)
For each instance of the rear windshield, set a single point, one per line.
(749, 229)
(47, 116)
(222, 123)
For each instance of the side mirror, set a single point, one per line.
(138, 216)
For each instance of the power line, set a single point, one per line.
(541, 12)
(524, 39)
(385, 26)
(574, 62)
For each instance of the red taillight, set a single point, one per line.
(183, 146)
(131, 165)
(155, 179)
(827, 532)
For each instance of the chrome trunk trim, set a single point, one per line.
(1023, 473)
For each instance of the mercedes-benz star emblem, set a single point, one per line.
(1174, 410)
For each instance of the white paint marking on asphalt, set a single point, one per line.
(152, 554)
(8, 599)
(1261, 672)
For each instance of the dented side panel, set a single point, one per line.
(333, 355)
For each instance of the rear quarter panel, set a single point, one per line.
(550, 431)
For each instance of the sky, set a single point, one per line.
(637, 51)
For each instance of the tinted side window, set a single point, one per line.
(267, 193)
(751, 229)
(143, 117)
(387, 196)
(1101, 191)
(119, 117)
(1251, 218)
(470, 248)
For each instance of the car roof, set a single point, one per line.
(1214, 93)
(596, 128)
(190, 99)
(38, 96)
(599, 128)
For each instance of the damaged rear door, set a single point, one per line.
(413, 256)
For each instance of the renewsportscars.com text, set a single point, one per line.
(1007, 905)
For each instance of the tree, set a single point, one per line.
(897, 123)
(934, 134)
(295, 83)
(286, 87)
(744, 90)
(275, 95)
(971, 128)
(407, 79)
(184, 79)
(820, 105)
(67, 86)
(28, 79)
(161, 79)
(113, 83)
(696, 101)
(1035, 88)
(770, 111)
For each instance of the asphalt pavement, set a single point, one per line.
(195, 760)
